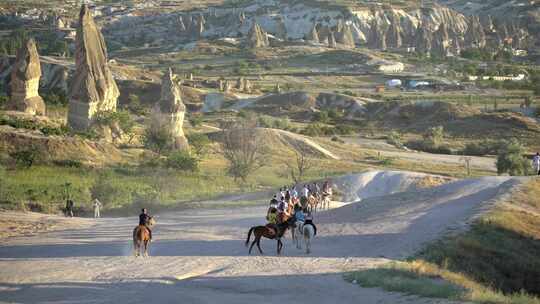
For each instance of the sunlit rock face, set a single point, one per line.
(93, 88)
(25, 81)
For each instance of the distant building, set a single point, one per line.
(518, 77)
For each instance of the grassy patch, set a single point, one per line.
(496, 261)
(400, 278)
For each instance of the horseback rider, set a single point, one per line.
(144, 220)
(272, 218)
(304, 197)
(309, 221)
(299, 215)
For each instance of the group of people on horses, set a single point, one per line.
(290, 203)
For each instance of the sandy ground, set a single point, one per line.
(198, 256)
(387, 150)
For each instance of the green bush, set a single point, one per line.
(156, 139)
(196, 120)
(321, 117)
(25, 158)
(343, 130)
(394, 138)
(182, 160)
(485, 147)
(510, 159)
(57, 98)
(199, 143)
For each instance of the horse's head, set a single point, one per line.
(151, 221)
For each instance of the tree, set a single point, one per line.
(301, 165)
(243, 148)
(199, 143)
(182, 160)
(510, 159)
(156, 139)
(434, 136)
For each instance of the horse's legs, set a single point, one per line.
(146, 243)
(259, 245)
(279, 246)
(252, 244)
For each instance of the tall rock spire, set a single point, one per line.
(257, 37)
(93, 88)
(25, 81)
(169, 112)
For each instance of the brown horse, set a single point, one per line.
(313, 202)
(141, 238)
(269, 233)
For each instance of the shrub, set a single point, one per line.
(156, 139)
(394, 138)
(343, 129)
(68, 163)
(57, 98)
(25, 158)
(510, 159)
(321, 117)
(196, 120)
(135, 105)
(182, 160)
(486, 147)
(199, 143)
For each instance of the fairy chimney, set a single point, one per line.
(93, 88)
(25, 81)
(169, 112)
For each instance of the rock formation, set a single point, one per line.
(240, 84)
(169, 111)
(257, 37)
(93, 88)
(377, 37)
(394, 35)
(423, 39)
(247, 86)
(313, 36)
(475, 36)
(25, 81)
(441, 42)
(228, 86)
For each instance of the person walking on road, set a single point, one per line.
(97, 206)
(536, 163)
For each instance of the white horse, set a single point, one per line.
(308, 232)
(297, 233)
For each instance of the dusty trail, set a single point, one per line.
(198, 256)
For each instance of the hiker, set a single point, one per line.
(97, 205)
(69, 208)
(536, 163)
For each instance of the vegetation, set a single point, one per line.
(243, 149)
(510, 159)
(496, 261)
(199, 143)
(21, 123)
(182, 160)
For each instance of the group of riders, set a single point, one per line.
(297, 204)
(287, 204)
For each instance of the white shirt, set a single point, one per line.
(536, 160)
(305, 192)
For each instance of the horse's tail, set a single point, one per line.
(249, 235)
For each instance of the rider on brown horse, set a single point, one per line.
(144, 219)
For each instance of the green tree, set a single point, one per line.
(182, 160)
(156, 139)
(510, 159)
(199, 143)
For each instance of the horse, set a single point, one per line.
(296, 232)
(141, 237)
(308, 232)
(269, 233)
(313, 201)
(325, 202)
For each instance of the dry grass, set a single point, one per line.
(496, 261)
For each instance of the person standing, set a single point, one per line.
(97, 206)
(536, 163)
(69, 208)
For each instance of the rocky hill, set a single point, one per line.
(435, 29)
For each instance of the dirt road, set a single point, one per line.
(199, 256)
